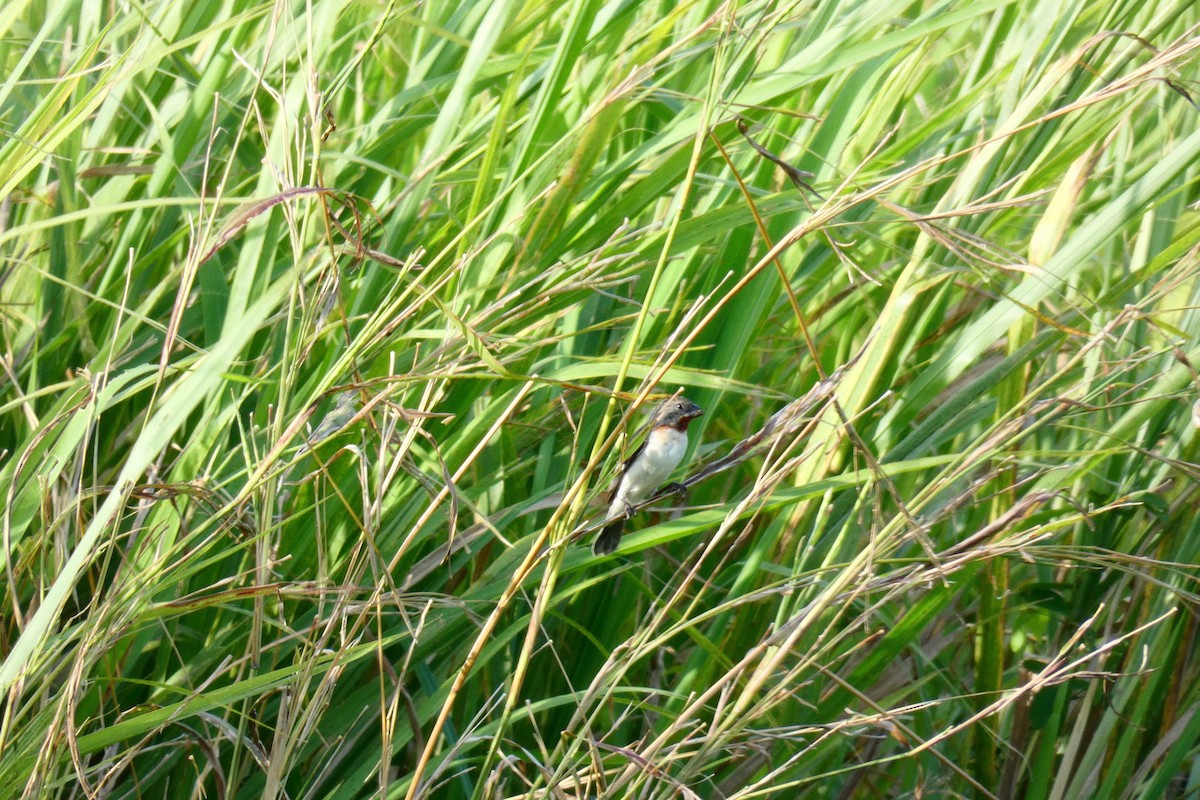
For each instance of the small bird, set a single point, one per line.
(649, 466)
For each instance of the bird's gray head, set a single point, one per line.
(676, 412)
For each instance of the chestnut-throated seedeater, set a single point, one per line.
(649, 466)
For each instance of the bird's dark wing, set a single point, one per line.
(624, 468)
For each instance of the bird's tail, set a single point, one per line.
(609, 538)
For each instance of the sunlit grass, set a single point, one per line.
(325, 327)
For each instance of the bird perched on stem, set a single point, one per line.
(649, 466)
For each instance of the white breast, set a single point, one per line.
(663, 451)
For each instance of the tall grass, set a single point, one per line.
(325, 325)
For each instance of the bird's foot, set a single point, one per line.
(677, 489)
(629, 512)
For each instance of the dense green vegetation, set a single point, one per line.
(325, 325)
